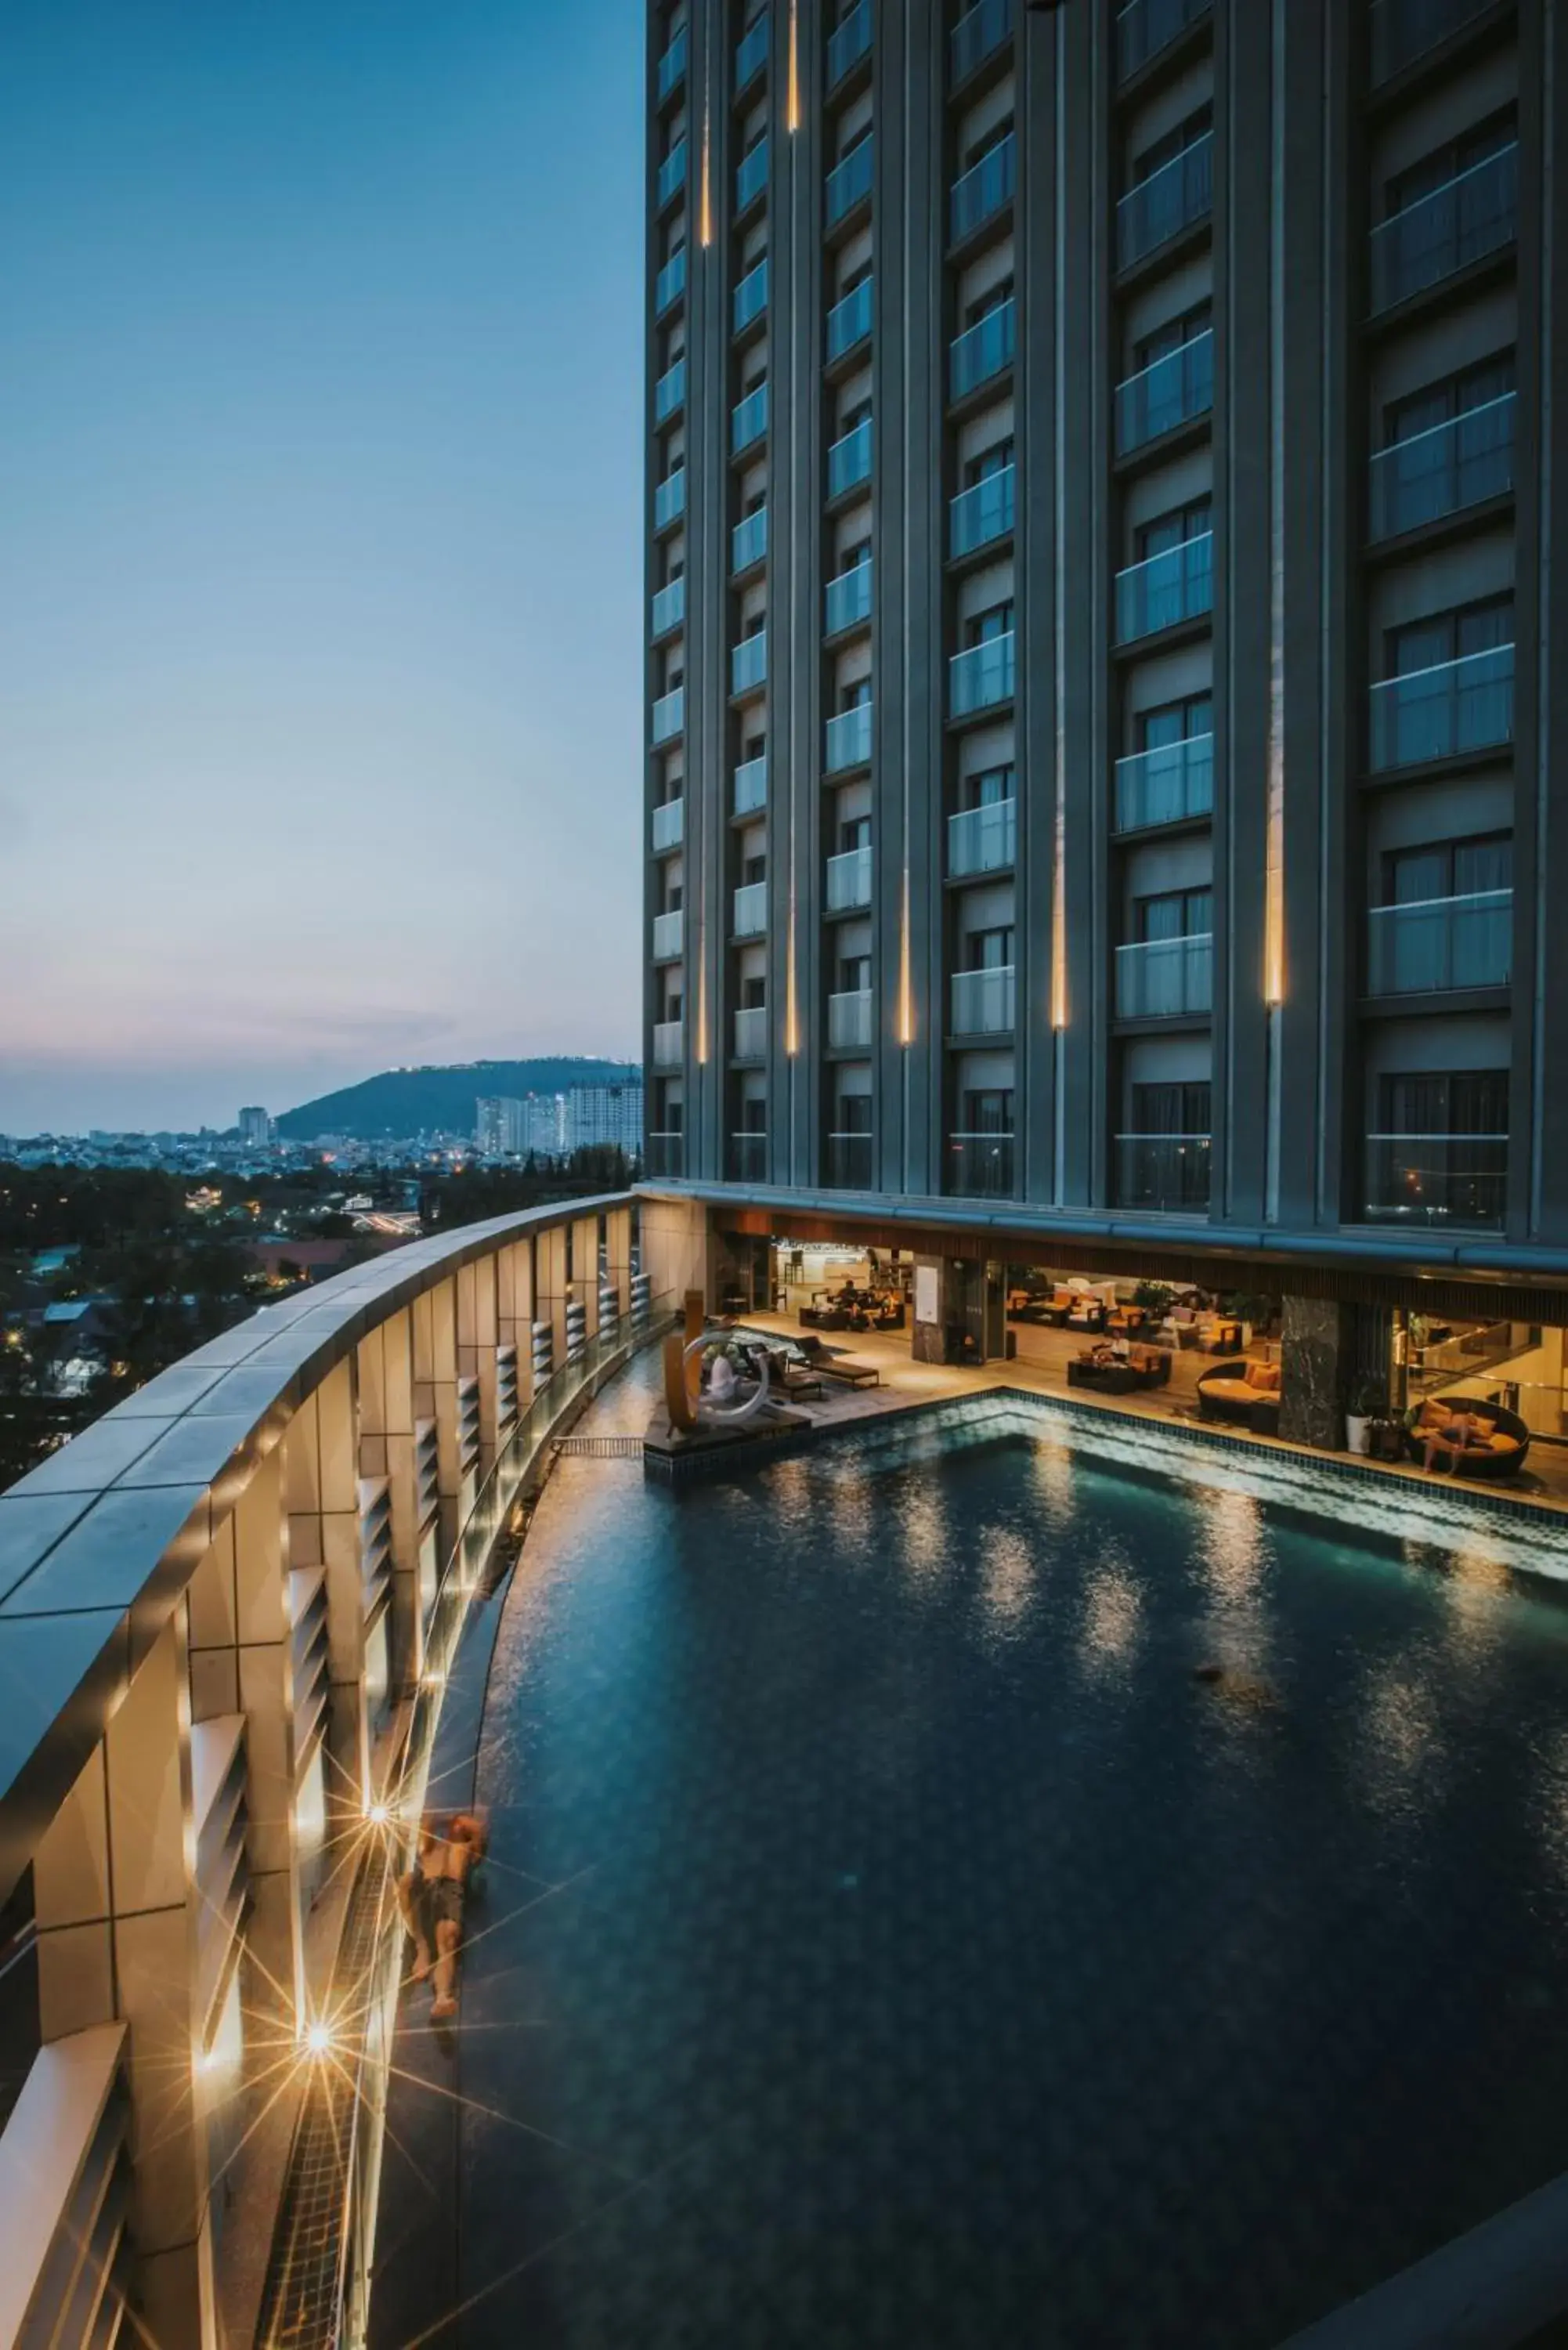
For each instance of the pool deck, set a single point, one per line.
(1041, 1369)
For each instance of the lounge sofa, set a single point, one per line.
(1248, 1393)
(1109, 1373)
(1499, 1452)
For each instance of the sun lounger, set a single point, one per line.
(846, 1367)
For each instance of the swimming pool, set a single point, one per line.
(890, 1940)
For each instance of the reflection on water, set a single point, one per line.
(1052, 1481)
(1113, 1607)
(1007, 1581)
(923, 1530)
(1233, 1547)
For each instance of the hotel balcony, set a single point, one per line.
(752, 176)
(846, 600)
(1404, 30)
(751, 52)
(668, 1044)
(1146, 27)
(848, 43)
(849, 1020)
(749, 662)
(669, 499)
(983, 513)
(979, 1166)
(1170, 588)
(983, 190)
(747, 1159)
(749, 420)
(669, 826)
(1167, 1173)
(849, 460)
(1437, 1178)
(670, 283)
(669, 392)
(749, 786)
(1166, 978)
(668, 609)
(1472, 215)
(669, 935)
(983, 839)
(977, 36)
(849, 1163)
(1442, 712)
(671, 178)
(849, 880)
(849, 182)
(1444, 470)
(849, 740)
(669, 715)
(752, 297)
(749, 541)
(980, 677)
(664, 1153)
(984, 350)
(752, 1032)
(671, 71)
(981, 1003)
(1436, 944)
(750, 910)
(1173, 391)
(849, 321)
(1170, 784)
(1175, 198)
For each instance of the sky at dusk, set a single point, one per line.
(321, 567)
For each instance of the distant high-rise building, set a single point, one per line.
(605, 1114)
(501, 1125)
(256, 1128)
(546, 1125)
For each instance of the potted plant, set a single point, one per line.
(1367, 1401)
(1155, 1297)
(1255, 1311)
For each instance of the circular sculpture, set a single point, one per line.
(719, 1416)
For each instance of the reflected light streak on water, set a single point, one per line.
(1007, 1575)
(1112, 1608)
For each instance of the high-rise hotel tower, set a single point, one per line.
(1107, 684)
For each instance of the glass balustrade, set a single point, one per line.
(752, 175)
(669, 392)
(672, 177)
(669, 935)
(849, 1163)
(848, 42)
(672, 67)
(1163, 979)
(849, 1019)
(669, 499)
(1434, 944)
(978, 35)
(979, 1166)
(847, 600)
(748, 1158)
(1404, 30)
(1175, 197)
(985, 349)
(751, 786)
(980, 677)
(1146, 27)
(849, 460)
(749, 540)
(669, 714)
(1171, 392)
(1439, 712)
(664, 1153)
(668, 825)
(749, 662)
(1437, 1178)
(849, 321)
(751, 1032)
(1176, 586)
(1166, 785)
(752, 53)
(982, 1001)
(752, 296)
(670, 283)
(983, 513)
(669, 607)
(983, 839)
(982, 190)
(666, 1044)
(1444, 470)
(750, 907)
(1166, 1172)
(749, 420)
(1472, 216)
(849, 182)
(849, 880)
(849, 739)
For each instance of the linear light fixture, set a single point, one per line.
(792, 116)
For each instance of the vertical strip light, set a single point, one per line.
(906, 989)
(792, 997)
(705, 206)
(791, 114)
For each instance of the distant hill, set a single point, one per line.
(416, 1101)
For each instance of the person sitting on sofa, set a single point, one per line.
(1463, 1432)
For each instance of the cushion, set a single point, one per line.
(1265, 1377)
(1501, 1442)
(1229, 1390)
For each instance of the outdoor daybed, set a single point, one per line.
(1109, 1373)
(1243, 1391)
(1499, 1452)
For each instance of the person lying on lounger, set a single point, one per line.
(1453, 1436)
(431, 1896)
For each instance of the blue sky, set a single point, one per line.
(320, 571)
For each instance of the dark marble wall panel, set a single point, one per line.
(1315, 1356)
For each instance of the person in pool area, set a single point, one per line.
(1454, 1436)
(430, 1897)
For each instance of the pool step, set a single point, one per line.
(599, 1448)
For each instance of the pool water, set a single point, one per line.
(890, 1940)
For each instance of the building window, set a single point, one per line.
(1174, 529)
(986, 627)
(1173, 1108)
(1448, 162)
(853, 974)
(855, 832)
(1172, 336)
(989, 949)
(1449, 636)
(1448, 868)
(1439, 403)
(1173, 914)
(1174, 143)
(984, 304)
(988, 789)
(988, 1110)
(1176, 722)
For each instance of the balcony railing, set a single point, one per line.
(1146, 27)
(751, 786)
(849, 182)
(1167, 1173)
(669, 934)
(849, 1020)
(983, 839)
(1437, 1178)
(669, 392)
(849, 880)
(980, 677)
(1172, 391)
(978, 34)
(848, 42)
(669, 499)
(748, 1158)
(849, 460)
(670, 283)
(849, 321)
(749, 420)
(1176, 586)
(751, 52)
(1439, 943)
(671, 69)
(1442, 712)
(664, 1153)
(1461, 221)
(669, 826)
(671, 176)
(668, 1046)
(669, 715)
(1175, 197)
(1161, 978)
(749, 540)
(849, 1163)
(752, 1032)
(1166, 785)
(749, 662)
(983, 350)
(669, 607)
(979, 1166)
(752, 174)
(849, 739)
(983, 189)
(847, 600)
(983, 513)
(752, 296)
(1445, 469)
(750, 910)
(982, 1001)
(1404, 30)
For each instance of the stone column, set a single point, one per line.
(1314, 1372)
(675, 1246)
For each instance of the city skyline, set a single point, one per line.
(353, 536)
